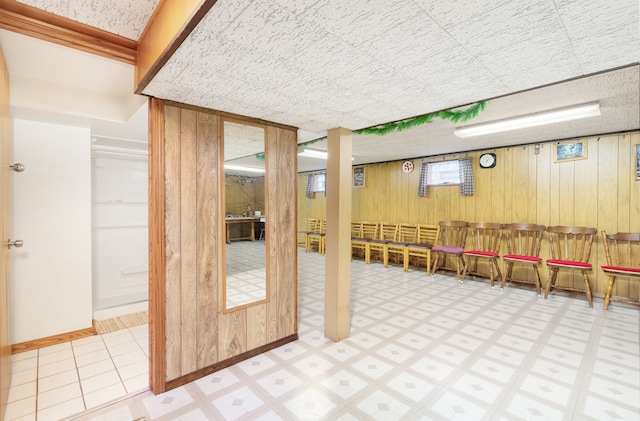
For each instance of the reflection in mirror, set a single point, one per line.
(245, 216)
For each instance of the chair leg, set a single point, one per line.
(459, 259)
(405, 259)
(553, 272)
(607, 295)
(538, 283)
(507, 275)
(428, 262)
(498, 272)
(385, 256)
(435, 263)
(587, 286)
(464, 272)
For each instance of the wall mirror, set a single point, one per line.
(245, 280)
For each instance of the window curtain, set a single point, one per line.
(422, 183)
(466, 177)
(310, 187)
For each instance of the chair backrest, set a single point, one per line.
(571, 243)
(311, 224)
(428, 234)
(485, 236)
(369, 230)
(388, 231)
(453, 233)
(321, 228)
(524, 239)
(622, 249)
(407, 233)
(356, 229)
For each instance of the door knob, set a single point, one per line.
(17, 167)
(16, 243)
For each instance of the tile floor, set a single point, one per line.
(421, 349)
(59, 381)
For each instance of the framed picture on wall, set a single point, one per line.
(570, 151)
(637, 162)
(358, 177)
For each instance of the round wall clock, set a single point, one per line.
(407, 166)
(487, 160)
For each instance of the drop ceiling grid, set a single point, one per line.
(331, 61)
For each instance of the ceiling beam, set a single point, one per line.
(36, 23)
(170, 24)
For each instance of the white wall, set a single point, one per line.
(50, 280)
(120, 232)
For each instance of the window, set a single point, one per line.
(319, 181)
(443, 173)
(316, 183)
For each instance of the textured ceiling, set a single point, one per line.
(318, 65)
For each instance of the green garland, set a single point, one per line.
(454, 116)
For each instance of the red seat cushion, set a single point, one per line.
(522, 258)
(569, 263)
(481, 253)
(448, 249)
(621, 269)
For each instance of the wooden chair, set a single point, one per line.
(570, 249)
(427, 238)
(486, 238)
(453, 235)
(388, 232)
(310, 225)
(523, 246)
(368, 232)
(622, 251)
(407, 233)
(318, 236)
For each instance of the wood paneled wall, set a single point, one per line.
(525, 186)
(190, 334)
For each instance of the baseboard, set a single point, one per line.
(52, 340)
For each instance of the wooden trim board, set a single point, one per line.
(52, 340)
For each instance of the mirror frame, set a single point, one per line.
(222, 212)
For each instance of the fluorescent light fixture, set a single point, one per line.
(532, 120)
(312, 153)
(239, 168)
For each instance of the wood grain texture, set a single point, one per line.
(286, 151)
(157, 248)
(52, 340)
(36, 23)
(209, 239)
(173, 256)
(273, 212)
(170, 24)
(188, 233)
(194, 334)
(524, 187)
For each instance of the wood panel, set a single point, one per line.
(173, 258)
(157, 247)
(195, 335)
(37, 23)
(525, 186)
(210, 238)
(170, 24)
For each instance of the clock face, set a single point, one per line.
(487, 160)
(407, 167)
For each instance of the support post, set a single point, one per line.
(338, 235)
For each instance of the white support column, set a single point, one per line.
(338, 236)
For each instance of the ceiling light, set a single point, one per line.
(312, 153)
(239, 168)
(532, 120)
